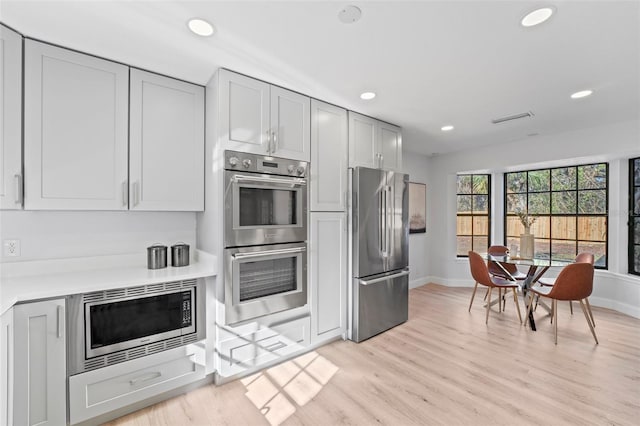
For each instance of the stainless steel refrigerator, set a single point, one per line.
(380, 255)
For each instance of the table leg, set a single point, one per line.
(528, 281)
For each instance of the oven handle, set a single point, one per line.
(269, 253)
(292, 182)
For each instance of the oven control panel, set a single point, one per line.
(254, 163)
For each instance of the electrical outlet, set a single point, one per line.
(11, 248)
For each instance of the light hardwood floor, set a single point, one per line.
(443, 366)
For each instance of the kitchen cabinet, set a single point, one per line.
(10, 119)
(329, 154)
(6, 368)
(39, 389)
(374, 143)
(166, 152)
(107, 389)
(328, 275)
(252, 345)
(260, 118)
(75, 132)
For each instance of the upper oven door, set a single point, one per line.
(264, 209)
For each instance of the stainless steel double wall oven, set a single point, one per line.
(265, 233)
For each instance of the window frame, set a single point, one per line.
(472, 214)
(632, 216)
(550, 215)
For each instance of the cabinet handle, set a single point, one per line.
(268, 142)
(145, 378)
(275, 141)
(60, 321)
(125, 195)
(275, 346)
(136, 193)
(381, 160)
(18, 182)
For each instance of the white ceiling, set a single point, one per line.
(430, 62)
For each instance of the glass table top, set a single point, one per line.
(528, 262)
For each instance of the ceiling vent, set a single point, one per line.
(512, 117)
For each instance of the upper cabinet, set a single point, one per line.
(97, 138)
(166, 160)
(10, 119)
(75, 139)
(261, 118)
(329, 151)
(374, 143)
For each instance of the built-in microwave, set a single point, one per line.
(113, 326)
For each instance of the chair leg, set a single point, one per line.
(499, 300)
(529, 307)
(486, 321)
(555, 320)
(571, 306)
(515, 299)
(473, 295)
(586, 301)
(584, 311)
(485, 294)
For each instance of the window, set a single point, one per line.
(570, 204)
(634, 216)
(473, 221)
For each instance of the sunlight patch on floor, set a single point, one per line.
(277, 390)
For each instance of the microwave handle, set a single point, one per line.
(269, 253)
(292, 182)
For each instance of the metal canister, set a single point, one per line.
(180, 254)
(157, 256)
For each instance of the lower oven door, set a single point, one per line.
(263, 280)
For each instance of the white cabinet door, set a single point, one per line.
(10, 119)
(166, 160)
(390, 146)
(75, 137)
(290, 120)
(329, 151)
(40, 396)
(6, 368)
(244, 113)
(328, 275)
(363, 141)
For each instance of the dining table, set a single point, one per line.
(536, 269)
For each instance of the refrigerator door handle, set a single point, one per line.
(385, 278)
(390, 211)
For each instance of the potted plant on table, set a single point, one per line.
(526, 239)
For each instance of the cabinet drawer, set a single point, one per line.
(259, 347)
(107, 389)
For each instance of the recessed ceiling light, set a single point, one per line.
(447, 128)
(581, 94)
(367, 96)
(350, 14)
(537, 16)
(200, 27)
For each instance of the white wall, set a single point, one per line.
(614, 143)
(416, 166)
(64, 234)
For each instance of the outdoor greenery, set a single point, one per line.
(474, 206)
(573, 201)
(634, 212)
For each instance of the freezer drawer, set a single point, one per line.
(380, 303)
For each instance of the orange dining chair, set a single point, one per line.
(480, 274)
(580, 258)
(496, 271)
(575, 282)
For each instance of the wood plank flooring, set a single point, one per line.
(442, 367)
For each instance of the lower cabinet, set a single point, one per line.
(6, 368)
(328, 275)
(100, 391)
(39, 390)
(253, 345)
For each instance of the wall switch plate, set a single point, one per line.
(11, 248)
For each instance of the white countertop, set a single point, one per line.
(32, 280)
